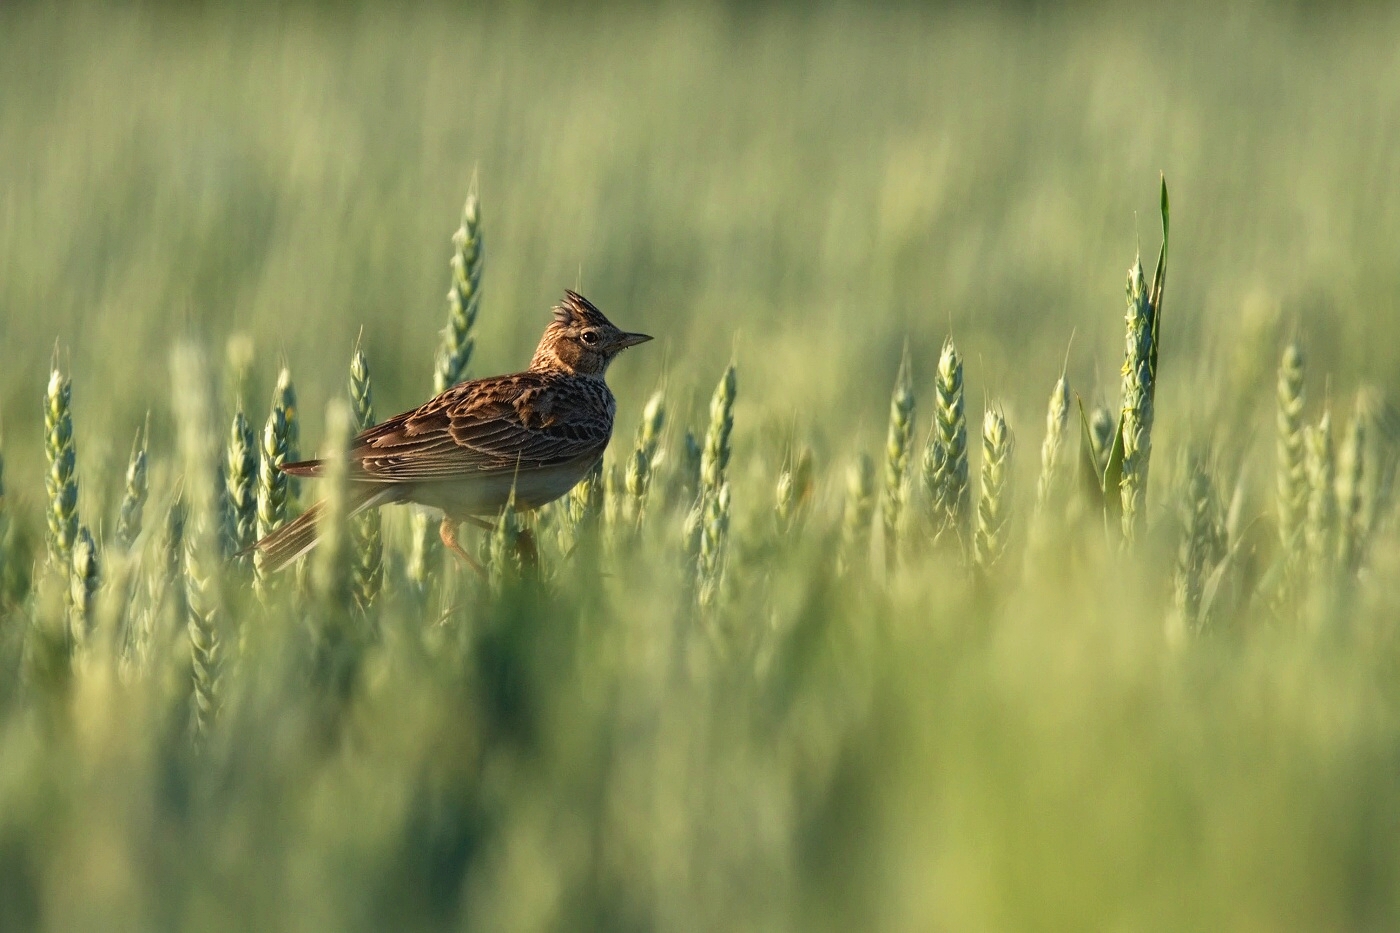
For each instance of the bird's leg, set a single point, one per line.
(481, 523)
(447, 531)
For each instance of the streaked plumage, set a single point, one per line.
(536, 432)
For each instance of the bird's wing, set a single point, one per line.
(489, 426)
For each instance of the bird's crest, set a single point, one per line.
(576, 310)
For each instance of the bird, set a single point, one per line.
(531, 435)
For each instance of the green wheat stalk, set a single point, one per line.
(793, 492)
(585, 505)
(133, 503)
(84, 578)
(944, 467)
(114, 608)
(503, 549)
(421, 548)
(898, 440)
(994, 499)
(241, 469)
(285, 398)
(1202, 546)
(641, 465)
(1291, 458)
(1137, 414)
(4, 529)
(859, 512)
(272, 492)
(637, 482)
(1321, 530)
(463, 298)
(201, 539)
(714, 538)
(1380, 468)
(1350, 492)
(367, 541)
(1052, 468)
(709, 513)
(169, 593)
(1139, 385)
(60, 481)
(714, 458)
(453, 357)
(1051, 485)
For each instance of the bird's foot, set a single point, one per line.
(447, 531)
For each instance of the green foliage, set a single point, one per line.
(570, 741)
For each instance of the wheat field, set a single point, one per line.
(933, 580)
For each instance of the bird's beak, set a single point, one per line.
(631, 340)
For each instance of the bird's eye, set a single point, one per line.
(589, 337)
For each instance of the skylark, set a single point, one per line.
(536, 433)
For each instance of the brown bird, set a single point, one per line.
(536, 433)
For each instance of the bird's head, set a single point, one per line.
(580, 339)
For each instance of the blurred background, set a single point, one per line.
(802, 189)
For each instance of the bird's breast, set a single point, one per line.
(483, 495)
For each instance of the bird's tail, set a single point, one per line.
(283, 546)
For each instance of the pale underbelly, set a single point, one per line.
(487, 495)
